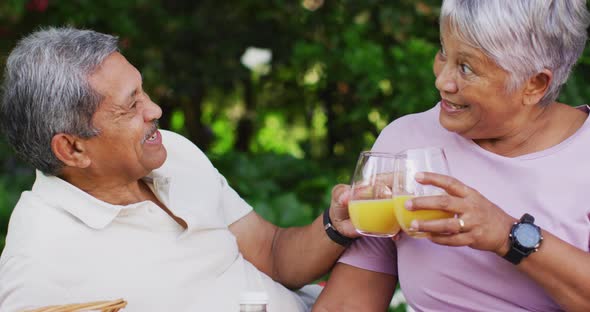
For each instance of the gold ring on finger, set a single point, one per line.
(461, 225)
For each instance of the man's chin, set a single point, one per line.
(157, 161)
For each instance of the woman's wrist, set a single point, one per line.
(504, 245)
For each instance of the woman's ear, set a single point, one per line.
(71, 150)
(537, 86)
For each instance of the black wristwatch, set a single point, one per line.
(525, 238)
(333, 234)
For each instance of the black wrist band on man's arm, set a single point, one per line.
(334, 235)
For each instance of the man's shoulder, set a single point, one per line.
(180, 149)
(185, 159)
(36, 235)
(171, 139)
(35, 225)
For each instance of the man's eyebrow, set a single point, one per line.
(132, 94)
(135, 91)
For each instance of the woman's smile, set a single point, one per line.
(452, 108)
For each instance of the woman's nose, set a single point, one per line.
(445, 80)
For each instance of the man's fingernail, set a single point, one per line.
(419, 176)
(408, 204)
(414, 225)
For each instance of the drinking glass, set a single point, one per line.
(406, 165)
(371, 205)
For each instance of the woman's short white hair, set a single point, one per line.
(522, 36)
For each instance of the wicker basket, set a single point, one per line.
(103, 306)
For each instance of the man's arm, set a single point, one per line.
(354, 289)
(294, 256)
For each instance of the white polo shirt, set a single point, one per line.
(65, 246)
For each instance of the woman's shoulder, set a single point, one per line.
(413, 130)
(573, 123)
(423, 120)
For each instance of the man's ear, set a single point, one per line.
(71, 150)
(537, 86)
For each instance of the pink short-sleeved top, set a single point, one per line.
(552, 185)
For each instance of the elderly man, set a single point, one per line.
(121, 209)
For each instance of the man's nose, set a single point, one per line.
(152, 111)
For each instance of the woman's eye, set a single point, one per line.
(465, 69)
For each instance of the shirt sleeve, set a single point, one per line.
(234, 207)
(373, 254)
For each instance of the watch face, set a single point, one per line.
(527, 235)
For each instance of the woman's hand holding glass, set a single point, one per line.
(413, 191)
(427, 199)
(405, 187)
(480, 224)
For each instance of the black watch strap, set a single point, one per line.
(514, 255)
(334, 235)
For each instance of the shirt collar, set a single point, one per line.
(92, 211)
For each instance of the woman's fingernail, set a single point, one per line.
(409, 204)
(419, 176)
(414, 225)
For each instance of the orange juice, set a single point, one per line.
(405, 216)
(373, 217)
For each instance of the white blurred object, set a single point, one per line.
(257, 59)
(253, 301)
(312, 5)
(399, 299)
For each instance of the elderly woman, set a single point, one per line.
(519, 161)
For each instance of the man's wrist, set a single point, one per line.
(333, 233)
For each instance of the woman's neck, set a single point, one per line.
(550, 126)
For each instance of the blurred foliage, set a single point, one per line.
(283, 189)
(340, 71)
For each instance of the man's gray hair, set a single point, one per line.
(523, 36)
(46, 91)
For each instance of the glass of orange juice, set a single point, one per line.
(406, 165)
(371, 204)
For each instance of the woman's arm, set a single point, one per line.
(559, 267)
(353, 289)
(562, 270)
